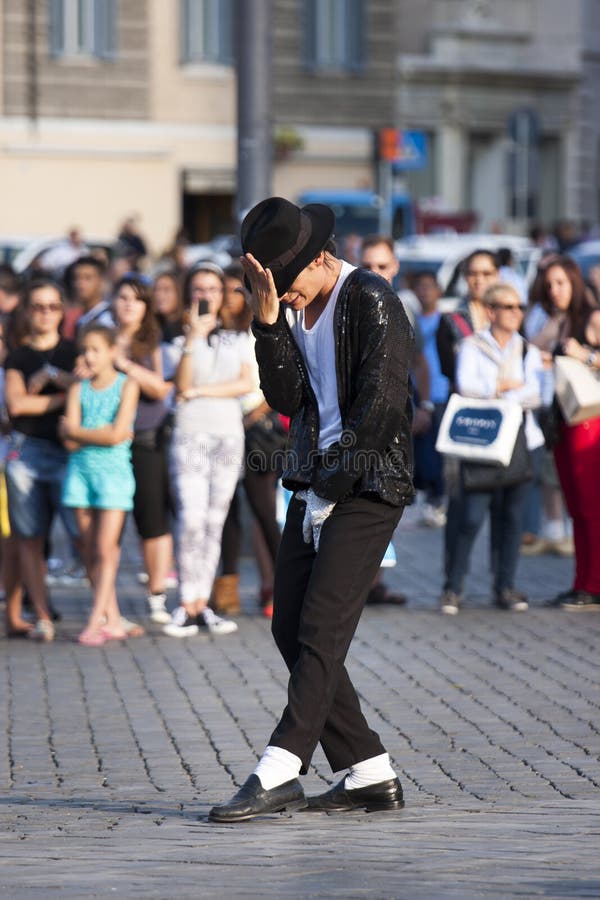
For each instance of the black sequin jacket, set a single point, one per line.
(373, 348)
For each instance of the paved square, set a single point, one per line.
(111, 757)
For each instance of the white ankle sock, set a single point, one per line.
(276, 766)
(554, 530)
(369, 771)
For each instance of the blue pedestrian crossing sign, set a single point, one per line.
(404, 149)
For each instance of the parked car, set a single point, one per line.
(12, 245)
(443, 254)
(358, 212)
(32, 253)
(221, 250)
(586, 255)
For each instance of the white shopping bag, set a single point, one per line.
(577, 389)
(479, 430)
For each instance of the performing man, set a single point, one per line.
(334, 346)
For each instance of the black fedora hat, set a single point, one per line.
(285, 238)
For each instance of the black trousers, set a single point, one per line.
(319, 598)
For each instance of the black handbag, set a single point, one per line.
(550, 420)
(266, 440)
(486, 477)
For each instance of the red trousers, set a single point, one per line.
(577, 457)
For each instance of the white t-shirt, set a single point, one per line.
(317, 345)
(215, 360)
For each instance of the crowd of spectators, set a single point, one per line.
(124, 392)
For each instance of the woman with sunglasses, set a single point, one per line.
(495, 362)
(38, 373)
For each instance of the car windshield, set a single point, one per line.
(586, 261)
(355, 219)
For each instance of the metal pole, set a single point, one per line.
(32, 64)
(386, 187)
(254, 26)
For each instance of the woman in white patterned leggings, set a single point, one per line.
(207, 448)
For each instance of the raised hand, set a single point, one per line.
(263, 297)
(199, 324)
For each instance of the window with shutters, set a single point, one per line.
(206, 28)
(83, 28)
(335, 35)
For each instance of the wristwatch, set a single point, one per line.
(51, 371)
(427, 406)
(591, 360)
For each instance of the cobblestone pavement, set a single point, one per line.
(110, 758)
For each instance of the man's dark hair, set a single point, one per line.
(10, 282)
(505, 257)
(97, 264)
(372, 240)
(330, 247)
(422, 273)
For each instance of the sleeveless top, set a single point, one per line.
(98, 408)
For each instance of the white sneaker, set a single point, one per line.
(181, 624)
(158, 612)
(43, 630)
(433, 516)
(215, 624)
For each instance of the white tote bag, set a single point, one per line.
(479, 430)
(577, 389)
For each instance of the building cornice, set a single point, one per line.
(425, 70)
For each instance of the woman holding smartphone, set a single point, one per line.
(207, 449)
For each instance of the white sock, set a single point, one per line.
(369, 771)
(554, 530)
(276, 766)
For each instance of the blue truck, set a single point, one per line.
(358, 212)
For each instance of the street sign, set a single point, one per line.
(404, 149)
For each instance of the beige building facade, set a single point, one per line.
(90, 140)
(116, 107)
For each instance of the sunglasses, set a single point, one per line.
(489, 273)
(508, 307)
(46, 307)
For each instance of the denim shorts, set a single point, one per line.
(35, 471)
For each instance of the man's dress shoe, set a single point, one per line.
(252, 800)
(374, 798)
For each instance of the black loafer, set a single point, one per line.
(252, 800)
(385, 795)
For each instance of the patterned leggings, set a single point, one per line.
(204, 473)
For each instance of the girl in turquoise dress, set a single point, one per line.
(97, 429)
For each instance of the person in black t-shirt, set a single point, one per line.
(38, 373)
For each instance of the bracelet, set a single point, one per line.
(427, 406)
(187, 351)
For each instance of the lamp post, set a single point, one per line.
(254, 145)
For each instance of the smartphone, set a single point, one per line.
(203, 307)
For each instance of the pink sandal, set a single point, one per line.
(91, 638)
(109, 635)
